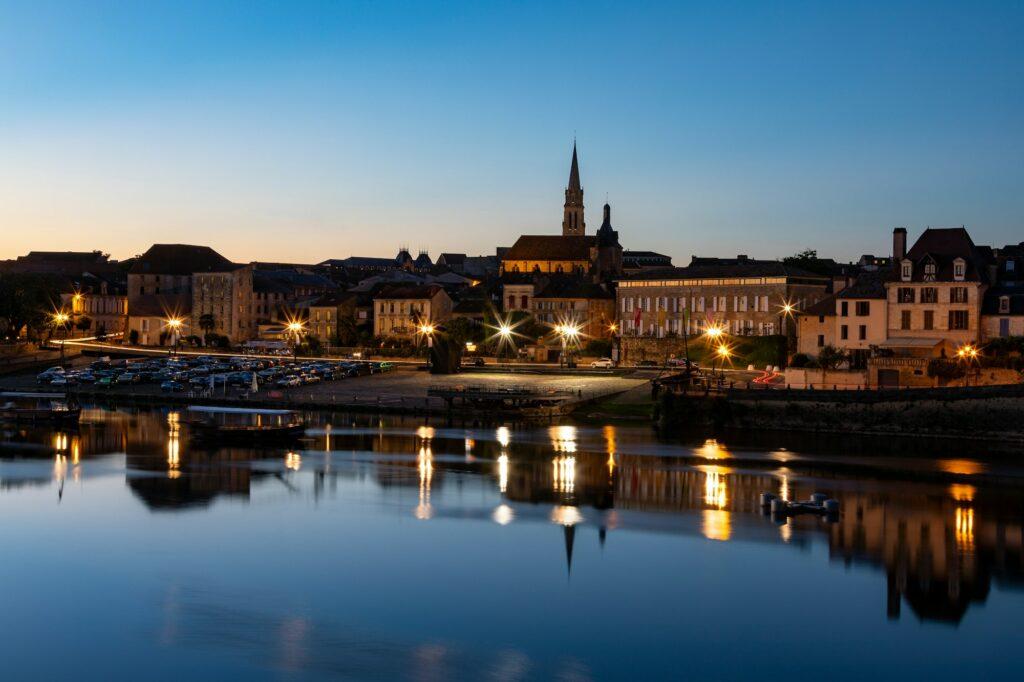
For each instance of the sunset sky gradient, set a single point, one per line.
(305, 131)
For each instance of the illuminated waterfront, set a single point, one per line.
(401, 549)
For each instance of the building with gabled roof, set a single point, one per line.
(398, 311)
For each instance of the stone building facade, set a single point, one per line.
(225, 299)
(399, 311)
(742, 296)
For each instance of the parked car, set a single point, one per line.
(603, 363)
(128, 378)
(647, 363)
(105, 381)
(172, 386)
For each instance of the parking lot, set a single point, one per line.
(312, 382)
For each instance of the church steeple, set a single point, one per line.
(572, 222)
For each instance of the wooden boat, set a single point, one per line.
(243, 424)
(40, 407)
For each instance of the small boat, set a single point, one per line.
(40, 407)
(243, 424)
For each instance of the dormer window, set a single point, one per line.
(906, 271)
(1004, 305)
(959, 268)
(929, 272)
(1009, 265)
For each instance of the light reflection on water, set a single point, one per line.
(541, 552)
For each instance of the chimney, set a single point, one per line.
(899, 243)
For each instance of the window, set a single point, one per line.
(863, 308)
(958, 295)
(844, 309)
(929, 272)
(905, 319)
(929, 319)
(844, 332)
(958, 319)
(905, 295)
(959, 268)
(512, 301)
(929, 295)
(821, 340)
(906, 271)
(1010, 265)
(524, 301)
(1004, 304)
(862, 332)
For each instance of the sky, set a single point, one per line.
(300, 131)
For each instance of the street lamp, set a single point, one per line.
(968, 353)
(295, 329)
(174, 324)
(60, 319)
(723, 353)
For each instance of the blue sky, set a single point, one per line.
(304, 131)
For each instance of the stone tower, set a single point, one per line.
(572, 223)
(609, 251)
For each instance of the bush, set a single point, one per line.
(940, 368)
(800, 360)
(601, 348)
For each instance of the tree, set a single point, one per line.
(462, 330)
(27, 301)
(808, 260)
(348, 331)
(207, 323)
(83, 324)
(830, 357)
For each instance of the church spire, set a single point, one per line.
(572, 222)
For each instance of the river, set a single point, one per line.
(390, 548)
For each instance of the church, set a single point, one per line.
(574, 252)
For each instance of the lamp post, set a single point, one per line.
(568, 333)
(723, 353)
(968, 354)
(295, 330)
(613, 329)
(60, 319)
(174, 324)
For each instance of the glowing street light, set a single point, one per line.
(60, 320)
(174, 324)
(723, 353)
(295, 328)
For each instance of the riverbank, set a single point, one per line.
(985, 412)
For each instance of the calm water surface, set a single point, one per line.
(381, 549)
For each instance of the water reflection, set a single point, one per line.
(940, 541)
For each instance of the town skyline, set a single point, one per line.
(344, 129)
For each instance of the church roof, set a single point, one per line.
(574, 171)
(551, 247)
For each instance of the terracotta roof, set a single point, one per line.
(551, 247)
(180, 259)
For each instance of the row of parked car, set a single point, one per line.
(208, 372)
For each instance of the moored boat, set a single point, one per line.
(243, 424)
(39, 407)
